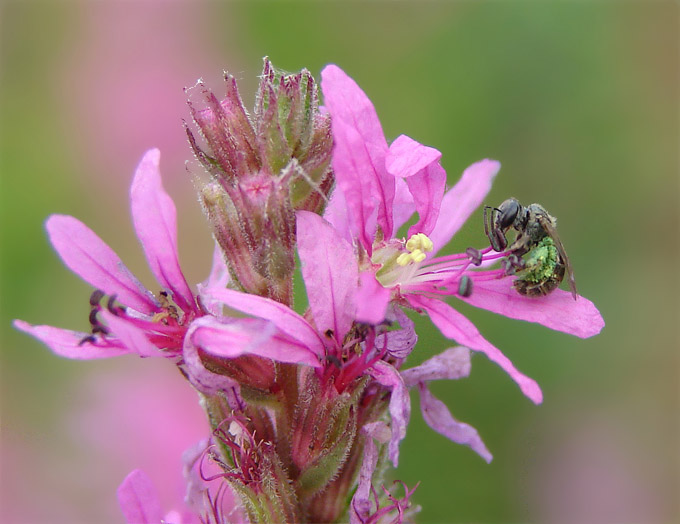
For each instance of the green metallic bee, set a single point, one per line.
(545, 261)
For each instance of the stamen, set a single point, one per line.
(96, 297)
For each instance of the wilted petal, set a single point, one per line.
(439, 418)
(359, 153)
(284, 318)
(94, 261)
(68, 344)
(330, 272)
(362, 499)
(455, 326)
(249, 336)
(131, 336)
(558, 310)
(462, 199)
(400, 404)
(453, 363)
(139, 500)
(372, 299)
(398, 342)
(155, 219)
(426, 179)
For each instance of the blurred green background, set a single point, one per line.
(579, 102)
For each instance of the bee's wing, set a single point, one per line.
(552, 232)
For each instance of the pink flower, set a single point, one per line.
(379, 186)
(146, 324)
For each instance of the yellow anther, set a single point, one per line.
(421, 242)
(418, 256)
(162, 315)
(404, 259)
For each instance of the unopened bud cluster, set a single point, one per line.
(263, 167)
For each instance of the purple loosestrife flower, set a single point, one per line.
(349, 377)
(379, 186)
(134, 320)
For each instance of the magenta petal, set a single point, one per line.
(558, 310)
(359, 153)
(154, 216)
(372, 299)
(403, 206)
(284, 318)
(400, 404)
(337, 215)
(139, 500)
(66, 343)
(89, 257)
(439, 418)
(455, 326)
(454, 363)
(463, 199)
(249, 336)
(330, 272)
(131, 336)
(426, 178)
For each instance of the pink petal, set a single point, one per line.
(403, 206)
(359, 154)
(89, 257)
(558, 310)
(426, 178)
(372, 299)
(205, 381)
(330, 272)
(337, 215)
(130, 336)
(284, 318)
(154, 216)
(66, 343)
(138, 499)
(400, 404)
(454, 363)
(250, 336)
(462, 200)
(455, 326)
(439, 418)
(218, 279)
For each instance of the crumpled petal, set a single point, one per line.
(359, 154)
(337, 215)
(155, 219)
(558, 310)
(455, 326)
(453, 363)
(362, 499)
(400, 404)
(426, 179)
(330, 271)
(439, 418)
(89, 257)
(249, 336)
(462, 200)
(398, 342)
(66, 343)
(139, 500)
(372, 299)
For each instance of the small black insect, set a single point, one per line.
(533, 224)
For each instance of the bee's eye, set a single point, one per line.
(507, 212)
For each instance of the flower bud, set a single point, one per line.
(262, 169)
